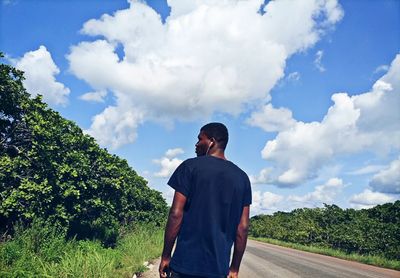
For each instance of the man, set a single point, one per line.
(209, 212)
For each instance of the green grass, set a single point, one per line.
(44, 252)
(366, 259)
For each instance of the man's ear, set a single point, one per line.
(212, 142)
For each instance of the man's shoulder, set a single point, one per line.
(235, 169)
(232, 166)
(227, 165)
(196, 160)
(240, 171)
(190, 161)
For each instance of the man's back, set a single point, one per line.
(216, 192)
(209, 212)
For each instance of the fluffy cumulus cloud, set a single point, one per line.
(40, 71)
(170, 153)
(322, 194)
(388, 179)
(94, 96)
(203, 59)
(263, 177)
(365, 122)
(268, 202)
(115, 127)
(168, 163)
(265, 202)
(369, 199)
(272, 119)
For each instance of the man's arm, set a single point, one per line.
(240, 242)
(171, 230)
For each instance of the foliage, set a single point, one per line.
(366, 259)
(42, 251)
(374, 231)
(50, 169)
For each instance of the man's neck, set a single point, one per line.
(218, 154)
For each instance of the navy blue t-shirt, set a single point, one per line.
(216, 192)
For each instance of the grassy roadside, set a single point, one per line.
(38, 253)
(371, 260)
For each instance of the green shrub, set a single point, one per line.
(42, 251)
(50, 170)
(374, 231)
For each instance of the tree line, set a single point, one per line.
(374, 231)
(50, 169)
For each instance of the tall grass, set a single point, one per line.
(43, 251)
(366, 259)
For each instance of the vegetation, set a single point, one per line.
(43, 251)
(366, 259)
(368, 232)
(50, 170)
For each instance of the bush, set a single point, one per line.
(32, 246)
(50, 170)
(375, 231)
(41, 251)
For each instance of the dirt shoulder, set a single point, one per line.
(152, 272)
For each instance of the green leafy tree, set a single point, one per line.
(374, 231)
(49, 169)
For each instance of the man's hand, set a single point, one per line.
(164, 265)
(233, 273)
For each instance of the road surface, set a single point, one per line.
(267, 260)
(263, 260)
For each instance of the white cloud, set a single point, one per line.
(114, 127)
(262, 178)
(268, 202)
(272, 119)
(94, 96)
(318, 61)
(40, 71)
(388, 179)
(368, 199)
(365, 122)
(168, 163)
(381, 68)
(169, 195)
(369, 169)
(203, 59)
(322, 194)
(170, 153)
(265, 202)
(293, 76)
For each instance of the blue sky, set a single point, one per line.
(310, 90)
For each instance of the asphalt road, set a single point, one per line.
(262, 260)
(267, 260)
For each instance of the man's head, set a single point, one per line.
(212, 136)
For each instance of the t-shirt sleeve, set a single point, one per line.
(180, 179)
(247, 193)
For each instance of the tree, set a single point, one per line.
(49, 169)
(374, 231)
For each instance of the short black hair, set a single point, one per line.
(218, 131)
